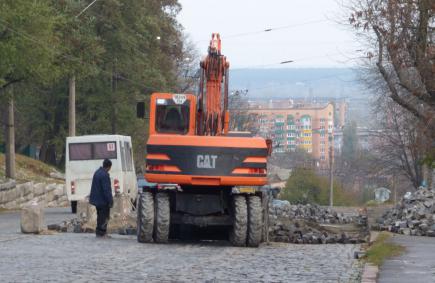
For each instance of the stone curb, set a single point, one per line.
(370, 273)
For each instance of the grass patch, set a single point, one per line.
(29, 169)
(382, 249)
(3, 210)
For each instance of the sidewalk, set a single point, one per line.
(416, 265)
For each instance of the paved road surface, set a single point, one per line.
(10, 221)
(82, 257)
(416, 265)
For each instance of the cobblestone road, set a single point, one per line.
(83, 258)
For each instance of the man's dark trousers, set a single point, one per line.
(103, 215)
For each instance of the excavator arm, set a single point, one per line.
(213, 115)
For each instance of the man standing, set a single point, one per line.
(101, 197)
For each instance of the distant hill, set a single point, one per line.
(308, 83)
(297, 82)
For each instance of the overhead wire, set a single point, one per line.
(267, 30)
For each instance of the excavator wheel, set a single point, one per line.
(255, 221)
(162, 219)
(145, 217)
(238, 231)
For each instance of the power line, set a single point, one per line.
(269, 29)
(288, 61)
(87, 7)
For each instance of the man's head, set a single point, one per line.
(107, 164)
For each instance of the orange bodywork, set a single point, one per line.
(238, 176)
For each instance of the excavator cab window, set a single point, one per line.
(172, 118)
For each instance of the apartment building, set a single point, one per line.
(309, 127)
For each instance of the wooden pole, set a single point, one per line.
(10, 138)
(72, 107)
(331, 177)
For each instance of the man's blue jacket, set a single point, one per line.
(101, 191)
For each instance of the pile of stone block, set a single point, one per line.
(413, 215)
(312, 224)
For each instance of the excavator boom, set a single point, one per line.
(213, 117)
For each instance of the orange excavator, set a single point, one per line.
(217, 173)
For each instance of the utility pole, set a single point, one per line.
(10, 137)
(72, 107)
(331, 174)
(113, 114)
(72, 91)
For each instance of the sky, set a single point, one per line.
(304, 31)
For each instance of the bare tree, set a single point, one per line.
(240, 118)
(402, 36)
(401, 145)
(188, 67)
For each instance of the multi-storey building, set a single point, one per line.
(307, 127)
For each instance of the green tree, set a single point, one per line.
(26, 29)
(118, 51)
(305, 186)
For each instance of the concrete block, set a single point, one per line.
(121, 205)
(86, 211)
(32, 218)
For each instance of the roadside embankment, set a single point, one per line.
(14, 196)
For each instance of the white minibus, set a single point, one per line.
(85, 154)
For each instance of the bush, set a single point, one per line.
(305, 186)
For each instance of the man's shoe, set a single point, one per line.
(105, 236)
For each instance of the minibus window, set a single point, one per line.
(105, 150)
(92, 151)
(122, 150)
(80, 151)
(128, 159)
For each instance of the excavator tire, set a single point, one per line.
(145, 217)
(238, 231)
(255, 221)
(162, 219)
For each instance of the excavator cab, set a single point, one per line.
(172, 114)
